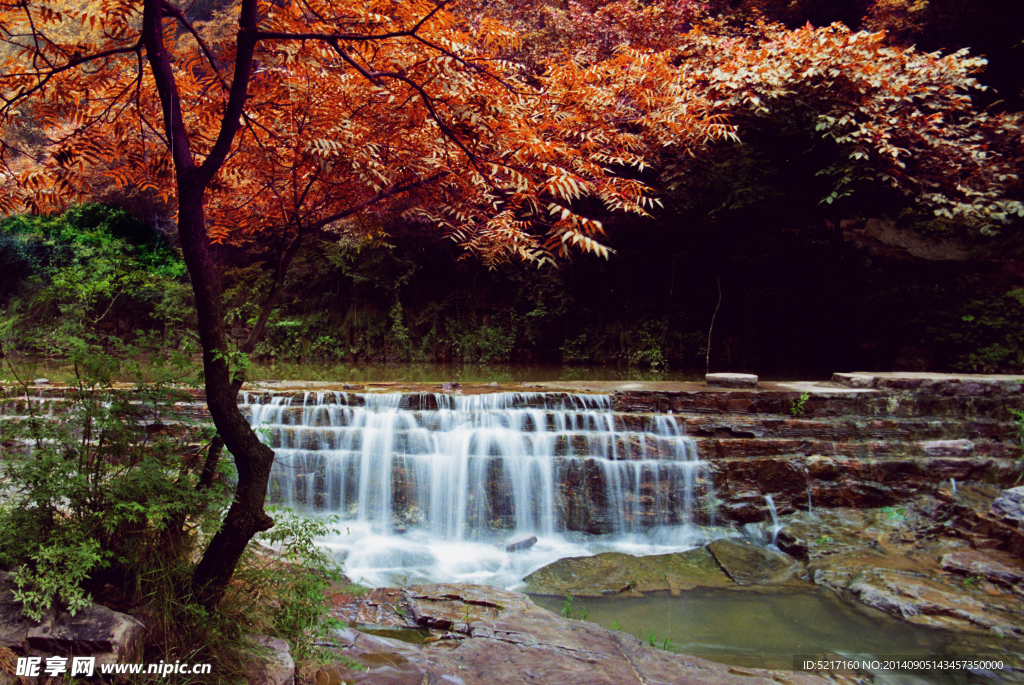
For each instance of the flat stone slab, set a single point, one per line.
(944, 383)
(731, 380)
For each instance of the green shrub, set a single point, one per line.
(105, 493)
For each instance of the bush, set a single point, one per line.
(106, 491)
(92, 271)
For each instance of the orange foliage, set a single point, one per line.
(336, 120)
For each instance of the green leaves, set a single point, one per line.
(55, 576)
(104, 488)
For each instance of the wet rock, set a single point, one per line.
(615, 572)
(1009, 506)
(744, 506)
(824, 468)
(521, 542)
(748, 564)
(456, 607)
(974, 562)
(731, 380)
(788, 542)
(516, 642)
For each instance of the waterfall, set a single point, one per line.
(450, 469)
(810, 503)
(776, 526)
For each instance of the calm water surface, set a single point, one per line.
(767, 629)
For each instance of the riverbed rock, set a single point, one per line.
(508, 640)
(789, 542)
(618, 573)
(731, 380)
(521, 542)
(915, 562)
(749, 564)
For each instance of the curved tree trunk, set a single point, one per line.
(253, 459)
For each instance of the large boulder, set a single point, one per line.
(615, 572)
(107, 635)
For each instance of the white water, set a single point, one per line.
(810, 503)
(776, 526)
(430, 487)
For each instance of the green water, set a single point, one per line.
(768, 629)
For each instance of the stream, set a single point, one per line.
(430, 487)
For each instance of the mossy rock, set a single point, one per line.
(617, 573)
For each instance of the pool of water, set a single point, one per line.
(767, 629)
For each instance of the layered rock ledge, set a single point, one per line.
(484, 636)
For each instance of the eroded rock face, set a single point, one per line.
(508, 640)
(1009, 506)
(919, 563)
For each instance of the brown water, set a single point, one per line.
(768, 629)
(59, 371)
(460, 373)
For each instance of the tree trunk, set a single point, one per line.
(253, 459)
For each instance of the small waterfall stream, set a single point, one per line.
(430, 486)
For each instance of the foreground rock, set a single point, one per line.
(494, 637)
(107, 635)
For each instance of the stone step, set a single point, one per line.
(842, 429)
(741, 483)
(429, 401)
(824, 401)
(747, 448)
(614, 446)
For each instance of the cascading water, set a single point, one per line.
(776, 526)
(429, 486)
